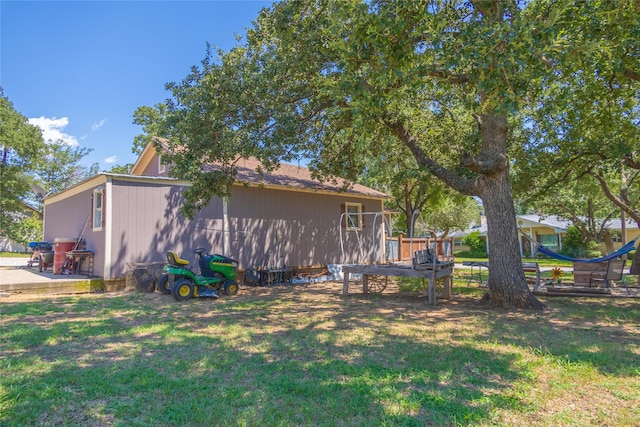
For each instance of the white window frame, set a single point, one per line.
(357, 215)
(162, 167)
(98, 208)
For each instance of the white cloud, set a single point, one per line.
(96, 126)
(111, 159)
(52, 129)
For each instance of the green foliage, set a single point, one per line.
(471, 90)
(575, 245)
(21, 146)
(587, 127)
(60, 167)
(476, 243)
(122, 169)
(471, 254)
(27, 230)
(27, 160)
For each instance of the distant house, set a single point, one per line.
(281, 217)
(550, 231)
(546, 230)
(631, 231)
(8, 245)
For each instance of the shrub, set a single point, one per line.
(471, 254)
(475, 242)
(576, 246)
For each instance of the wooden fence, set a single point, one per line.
(400, 247)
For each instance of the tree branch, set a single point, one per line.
(451, 78)
(631, 75)
(463, 185)
(615, 199)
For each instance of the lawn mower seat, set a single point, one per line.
(174, 259)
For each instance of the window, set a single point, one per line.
(97, 208)
(353, 216)
(549, 240)
(162, 167)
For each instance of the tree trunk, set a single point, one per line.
(635, 263)
(507, 284)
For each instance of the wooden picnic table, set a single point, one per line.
(442, 270)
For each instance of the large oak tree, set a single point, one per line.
(21, 146)
(341, 81)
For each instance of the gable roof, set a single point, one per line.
(559, 225)
(292, 177)
(285, 177)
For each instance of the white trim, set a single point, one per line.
(226, 244)
(162, 168)
(102, 178)
(358, 215)
(97, 194)
(108, 225)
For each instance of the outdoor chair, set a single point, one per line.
(613, 273)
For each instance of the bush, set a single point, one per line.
(574, 245)
(471, 254)
(475, 242)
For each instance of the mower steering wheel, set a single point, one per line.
(199, 251)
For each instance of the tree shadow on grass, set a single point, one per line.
(285, 355)
(146, 360)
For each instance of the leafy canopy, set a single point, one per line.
(21, 146)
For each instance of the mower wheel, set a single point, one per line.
(163, 284)
(183, 290)
(231, 287)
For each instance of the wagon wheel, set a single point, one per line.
(376, 284)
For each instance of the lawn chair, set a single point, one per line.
(613, 273)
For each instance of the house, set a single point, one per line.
(546, 230)
(549, 231)
(281, 217)
(9, 245)
(631, 231)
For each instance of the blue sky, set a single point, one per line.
(79, 69)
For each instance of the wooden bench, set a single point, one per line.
(597, 274)
(422, 260)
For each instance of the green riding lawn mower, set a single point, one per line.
(217, 273)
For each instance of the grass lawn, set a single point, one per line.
(543, 262)
(14, 255)
(300, 355)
